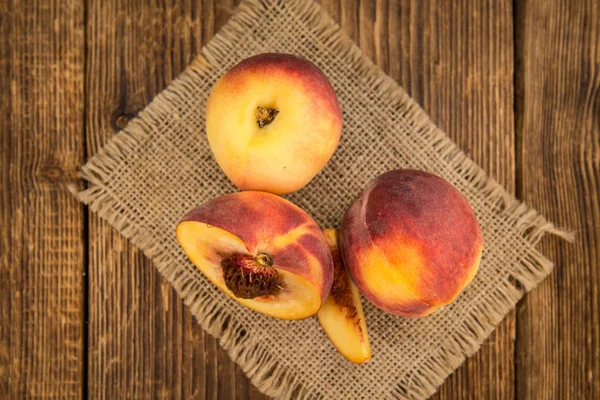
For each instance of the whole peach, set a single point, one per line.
(411, 242)
(273, 121)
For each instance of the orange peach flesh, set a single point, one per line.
(286, 153)
(411, 242)
(341, 316)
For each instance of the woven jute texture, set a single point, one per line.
(160, 166)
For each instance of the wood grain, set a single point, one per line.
(42, 241)
(558, 130)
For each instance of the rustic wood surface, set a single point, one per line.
(42, 226)
(558, 143)
(84, 314)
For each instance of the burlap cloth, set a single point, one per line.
(160, 166)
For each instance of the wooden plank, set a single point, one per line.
(143, 341)
(456, 60)
(558, 130)
(42, 256)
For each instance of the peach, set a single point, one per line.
(411, 242)
(273, 121)
(261, 250)
(341, 316)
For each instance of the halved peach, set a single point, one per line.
(341, 316)
(262, 250)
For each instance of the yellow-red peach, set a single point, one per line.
(273, 121)
(411, 242)
(262, 250)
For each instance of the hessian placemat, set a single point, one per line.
(160, 166)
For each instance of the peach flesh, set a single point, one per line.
(262, 250)
(273, 121)
(341, 316)
(411, 242)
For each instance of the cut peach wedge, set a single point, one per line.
(261, 250)
(341, 316)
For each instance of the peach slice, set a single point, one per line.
(341, 316)
(411, 242)
(273, 121)
(261, 250)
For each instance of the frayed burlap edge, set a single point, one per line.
(264, 370)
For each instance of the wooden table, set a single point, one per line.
(84, 314)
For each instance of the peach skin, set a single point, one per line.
(341, 316)
(273, 121)
(411, 242)
(261, 250)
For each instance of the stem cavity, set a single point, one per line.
(264, 115)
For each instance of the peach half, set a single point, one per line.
(261, 250)
(341, 316)
(273, 121)
(411, 242)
